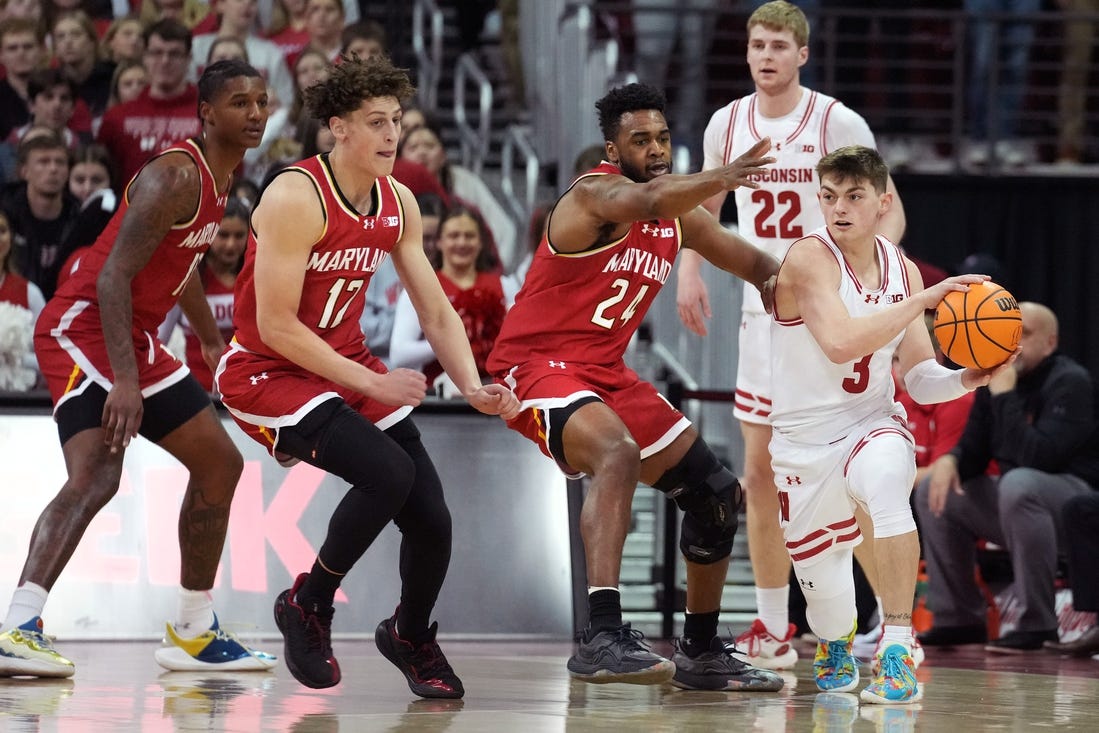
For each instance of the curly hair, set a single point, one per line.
(352, 82)
(621, 100)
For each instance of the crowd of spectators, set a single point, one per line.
(90, 91)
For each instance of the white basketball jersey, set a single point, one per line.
(785, 208)
(815, 400)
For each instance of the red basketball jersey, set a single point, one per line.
(585, 306)
(157, 287)
(340, 265)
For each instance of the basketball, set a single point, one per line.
(979, 328)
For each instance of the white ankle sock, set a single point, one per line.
(897, 635)
(773, 608)
(196, 612)
(27, 601)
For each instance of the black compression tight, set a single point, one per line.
(392, 478)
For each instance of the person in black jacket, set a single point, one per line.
(1037, 421)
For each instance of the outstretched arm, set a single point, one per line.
(148, 220)
(599, 208)
(731, 252)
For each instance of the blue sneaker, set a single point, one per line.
(895, 683)
(834, 666)
(214, 650)
(26, 652)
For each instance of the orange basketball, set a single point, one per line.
(979, 328)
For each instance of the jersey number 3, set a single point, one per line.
(787, 206)
(858, 383)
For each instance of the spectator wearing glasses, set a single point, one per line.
(164, 112)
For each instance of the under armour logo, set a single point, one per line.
(872, 298)
(791, 480)
(805, 583)
(656, 231)
(256, 378)
(557, 364)
(368, 223)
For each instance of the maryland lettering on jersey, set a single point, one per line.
(642, 262)
(201, 238)
(784, 175)
(354, 259)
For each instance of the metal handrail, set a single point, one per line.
(428, 52)
(473, 141)
(517, 142)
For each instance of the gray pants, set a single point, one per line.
(1020, 511)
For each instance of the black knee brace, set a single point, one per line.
(711, 498)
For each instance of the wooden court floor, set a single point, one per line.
(524, 687)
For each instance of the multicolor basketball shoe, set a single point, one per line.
(834, 666)
(213, 650)
(916, 652)
(895, 682)
(759, 648)
(27, 652)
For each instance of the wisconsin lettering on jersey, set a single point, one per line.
(152, 131)
(355, 259)
(201, 238)
(644, 263)
(784, 175)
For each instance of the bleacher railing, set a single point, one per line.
(427, 47)
(473, 135)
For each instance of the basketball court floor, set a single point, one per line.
(523, 687)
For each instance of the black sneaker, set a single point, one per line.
(1021, 642)
(424, 665)
(307, 637)
(618, 655)
(954, 635)
(716, 668)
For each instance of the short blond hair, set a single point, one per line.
(781, 15)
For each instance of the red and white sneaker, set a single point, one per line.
(759, 648)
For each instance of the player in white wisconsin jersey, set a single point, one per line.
(845, 300)
(804, 126)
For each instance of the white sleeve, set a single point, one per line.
(715, 138)
(929, 382)
(847, 127)
(511, 285)
(407, 346)
(35, 300)
(171, 320)
(35, 303)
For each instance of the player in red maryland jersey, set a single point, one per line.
(609, 247)
(110, 379)
(300, 380)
